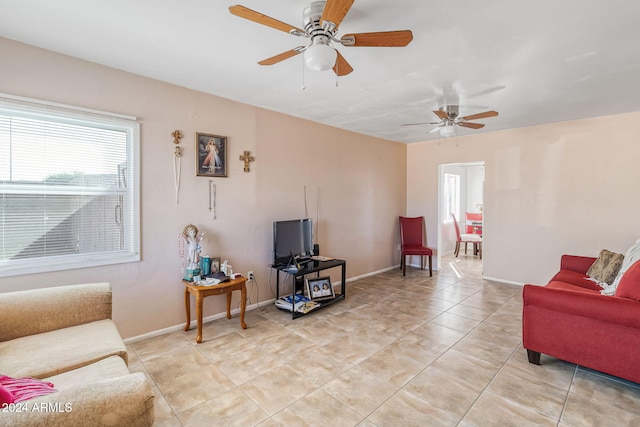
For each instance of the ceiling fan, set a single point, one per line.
(321, 21)
(449, 119)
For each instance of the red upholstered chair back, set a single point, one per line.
(411, 230)
(473, 216)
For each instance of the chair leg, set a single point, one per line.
(404, 265)
(401, 261)
(457, 249)
(465, 247)
(430, 267)
(480, 249)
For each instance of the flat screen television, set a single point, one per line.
(293, 236)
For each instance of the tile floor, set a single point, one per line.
(409, 351)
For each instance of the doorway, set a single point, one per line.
(460, 190)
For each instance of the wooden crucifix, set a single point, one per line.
(246, 158)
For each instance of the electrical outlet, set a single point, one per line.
(250, 275)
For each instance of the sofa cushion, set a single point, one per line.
(61, 350)
(556, 284)
(575, 278)
(111, 367)
(606, 267)
(629, 286)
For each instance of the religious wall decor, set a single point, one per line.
(211, 155)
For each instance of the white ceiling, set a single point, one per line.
(535, 62)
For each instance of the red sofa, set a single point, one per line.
(570, 320)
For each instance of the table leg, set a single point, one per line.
(229, 304)
(199, 300)
(187, 306)
(243, 305)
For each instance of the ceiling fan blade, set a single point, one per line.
(470, 125)
(342, 67)
(252, 15)
(441, 114)
(282, 56)
(425, 123)
(381, 38)
(335, 11)
(480, 115)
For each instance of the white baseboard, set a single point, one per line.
(508, 282)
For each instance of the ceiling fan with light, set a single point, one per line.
(449, 119)
(321, 21)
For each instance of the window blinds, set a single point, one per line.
(69, 187)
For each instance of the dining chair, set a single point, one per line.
(466, 238)
(412, 234)
(474, 222)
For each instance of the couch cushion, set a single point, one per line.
(556, 284)
(575, 278)
(606, 267)
(62, 350)
(111, 367)
(629, 286)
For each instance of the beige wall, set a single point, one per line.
(361, 180)
(549, 190)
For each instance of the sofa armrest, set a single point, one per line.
(42, 310)
(122, 401)
(579, 264)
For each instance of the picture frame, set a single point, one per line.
(320, 288)
(211, 155)
(215, 264)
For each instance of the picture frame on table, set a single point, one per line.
(211, 155)
(215, 264)
(320, 288)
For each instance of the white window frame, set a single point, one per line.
(130, 215)
(451, 192)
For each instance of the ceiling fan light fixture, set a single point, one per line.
(447, 130)
(320, 57)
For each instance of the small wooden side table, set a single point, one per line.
(201, 292)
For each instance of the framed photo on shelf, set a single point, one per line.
(211, 155)
(215, 264)
(319, 288)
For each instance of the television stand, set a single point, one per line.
(309, 268)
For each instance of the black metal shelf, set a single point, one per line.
(310, 268)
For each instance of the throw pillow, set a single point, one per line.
(606, 267)
(18, 389)
(630, 257)
(629, 286)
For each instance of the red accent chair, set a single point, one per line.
(412, 242)
(470, 217)
(466, 238)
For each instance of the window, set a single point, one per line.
(69, 190)
(451, 203)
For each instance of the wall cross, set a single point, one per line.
(246, 158)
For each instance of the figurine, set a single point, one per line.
(193, 237)
(226, 268)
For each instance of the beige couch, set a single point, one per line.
(65, 335)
